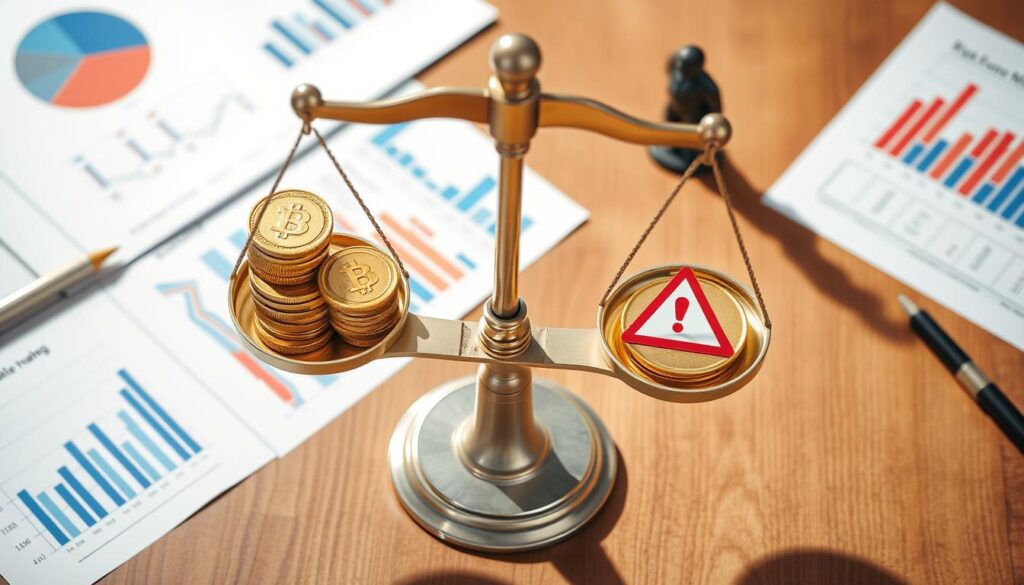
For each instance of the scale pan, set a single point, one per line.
(675, 375)
(335, 357)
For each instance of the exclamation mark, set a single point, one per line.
(682, 303)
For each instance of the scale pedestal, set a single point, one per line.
(504, 463)
(501, 462)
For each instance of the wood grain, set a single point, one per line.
(852, 458)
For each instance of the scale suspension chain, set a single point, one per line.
(306, 129)
(709, 155)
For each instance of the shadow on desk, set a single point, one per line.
(807, 566)
(801, 245)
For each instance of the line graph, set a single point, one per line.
(224, 335)
(148, 147)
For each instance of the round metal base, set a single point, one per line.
(460, 506)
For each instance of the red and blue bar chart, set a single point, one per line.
(983, 165)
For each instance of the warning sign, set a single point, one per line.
(680, 318)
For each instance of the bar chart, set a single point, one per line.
(466, 200)
(982, 165)
(108, 465)
(322, 23)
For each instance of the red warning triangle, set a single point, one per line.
(695, 330)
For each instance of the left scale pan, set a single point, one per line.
(82, 59)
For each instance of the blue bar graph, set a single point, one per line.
(140, 460)
(384, 137)
(477, 193)
(94, 474)
(141, 436)
(218, 263)
(932, 156)
(465, 260)
(56, 512)
(173, 424)
(45, 520)
(420, 290)
(67, 507)
(912, 153)
(1008, 188)
(239, 238)
(1014, 205)
(334, 13)
(73, 503)
(118, 455)
(83, 493)
(291, 37)
(156, 426)
(466, 202)
(276, 53)
(958, 172)
(110, 472)
(983, 193)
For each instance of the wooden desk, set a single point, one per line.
(852, 458)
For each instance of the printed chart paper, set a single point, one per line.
(123, 121)
(921, 173)
(107, 441)
(73, 377)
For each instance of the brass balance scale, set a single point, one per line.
(502, 462)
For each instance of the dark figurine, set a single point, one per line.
(693, 95)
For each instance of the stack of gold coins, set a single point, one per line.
(675, 367)
(360, 283)
(290, 242)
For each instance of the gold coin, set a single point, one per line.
(285, 294)
(300, 318)
(286, 269)
(275, 279)
(359, 279)
(680, 365)
(287, 332)
(297, 224)
(291, 347)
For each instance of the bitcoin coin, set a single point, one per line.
(360, 284)
(296, 225)
(290, 243)
(359, 279)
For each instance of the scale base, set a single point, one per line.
(459, 505)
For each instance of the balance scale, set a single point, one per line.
(502, 462)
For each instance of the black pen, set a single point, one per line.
(984, 391)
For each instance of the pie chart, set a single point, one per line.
(82, 59)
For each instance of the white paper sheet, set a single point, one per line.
(952, 229)
(207, 118)
(164, 321)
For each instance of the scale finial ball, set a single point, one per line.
(715, 129)
(515, 59)
(305, 98)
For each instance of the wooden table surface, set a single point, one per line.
(853, 457)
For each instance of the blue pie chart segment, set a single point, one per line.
(82, 59)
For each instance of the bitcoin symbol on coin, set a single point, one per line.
(292, 220)
(361, 277)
